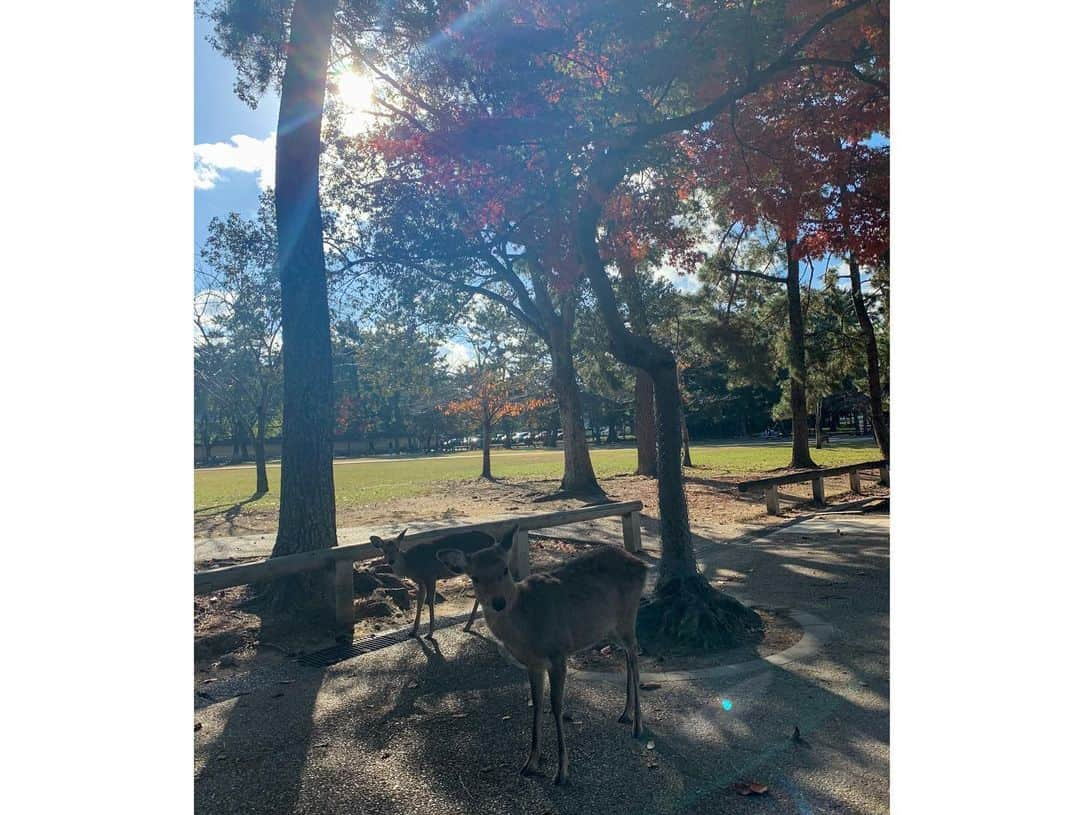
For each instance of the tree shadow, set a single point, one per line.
(211, 518)
(443, 726)
(279, 750)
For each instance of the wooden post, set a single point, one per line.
(341, 581)
(772, 500)
(883, 473)
(856, 483)
(631, 531)
(519, 555)
(819, 491)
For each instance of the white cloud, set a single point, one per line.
(684, 282)
(243, 154)
(456, 354)
(210, 306)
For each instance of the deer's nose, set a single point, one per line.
(498, 603)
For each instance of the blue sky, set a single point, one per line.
(220, 117)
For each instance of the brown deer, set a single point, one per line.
(420, 565)
(548, 616)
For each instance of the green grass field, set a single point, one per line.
(362, 482)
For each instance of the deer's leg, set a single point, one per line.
(431, 610)
(472, 614)
(536, 689)
(557, 675)
(421, 593)
(628, 708)
(635, 684)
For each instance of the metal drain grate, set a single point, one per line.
(339, 653)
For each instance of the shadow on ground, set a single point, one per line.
(443, 727)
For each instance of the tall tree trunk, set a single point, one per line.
(307, 518)
(236, 423)
(800, 433)
(817, 424)
(578, 475)
(686, 608)
(644, 406)
(686, 462)
(645, 424)
(873, 369)
(262, 483)
(485, 446)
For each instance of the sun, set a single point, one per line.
(356, 93)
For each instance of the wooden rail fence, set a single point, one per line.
(338, 561)
(772, 495)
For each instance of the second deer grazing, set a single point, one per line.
(548, 616)
(420, 564)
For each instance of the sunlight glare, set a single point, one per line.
(356, 93)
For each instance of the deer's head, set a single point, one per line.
(391, 549)
(489, 570)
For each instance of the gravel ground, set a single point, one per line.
(443, 727)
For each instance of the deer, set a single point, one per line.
(544, 618)
(420, 565)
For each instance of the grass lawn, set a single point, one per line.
(363, 482)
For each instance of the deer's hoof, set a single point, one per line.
(531, 769)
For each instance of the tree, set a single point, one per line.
(425, 223)
(493, 389)
(594, 93)
(307, 517)
(238, 312)
(858, 228)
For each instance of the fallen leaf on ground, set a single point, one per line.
(749, 788)
(651, 745)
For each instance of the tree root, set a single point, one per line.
(689, 614)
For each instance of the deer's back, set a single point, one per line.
(422, 562)
(576, 605)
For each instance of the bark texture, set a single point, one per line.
(873, 367)
(644, 405)
(307, 519)
(578, 475)
(800, 433)
(685, 610)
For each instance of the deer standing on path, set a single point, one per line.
(548, 616)
(420, 564)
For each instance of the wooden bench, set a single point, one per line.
(338, 561)
(817, 477)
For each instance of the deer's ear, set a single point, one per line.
(377, 542)
(508, 539)
(401, 536)
(453, 559)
